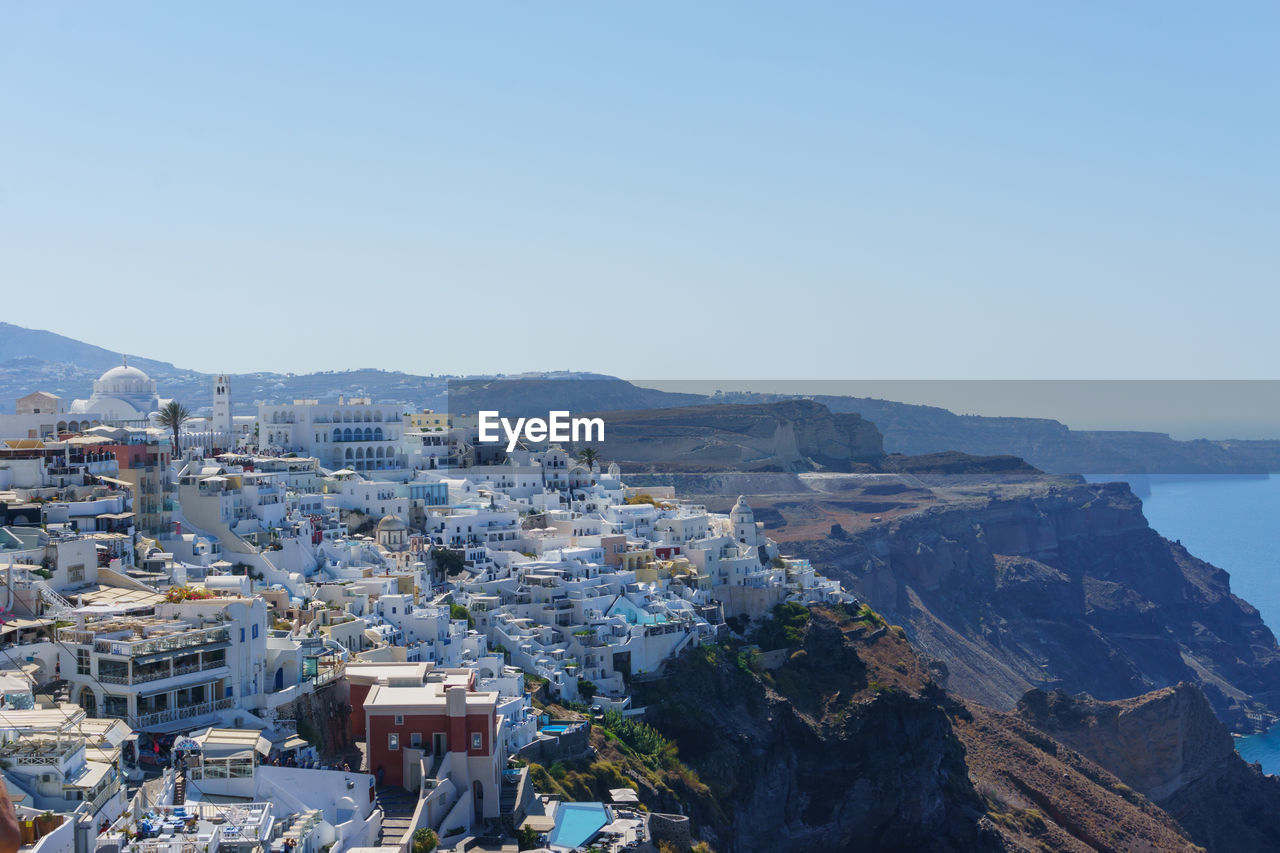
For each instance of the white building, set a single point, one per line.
(353, 434)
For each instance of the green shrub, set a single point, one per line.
(424, 840)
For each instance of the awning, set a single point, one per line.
(295, 742)
(116, 482)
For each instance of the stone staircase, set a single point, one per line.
(397, 806)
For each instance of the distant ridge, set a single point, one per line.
(19, 342)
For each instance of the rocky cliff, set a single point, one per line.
(1169, 745)
(1066, 586)
(851, 744)
(844, 747)
(792, 435)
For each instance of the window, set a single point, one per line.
(477, 740)
(255, 631)
(415, 740)
(399, 719)
(242, 635)
(76, 573)
(82, 661)
(393, 741)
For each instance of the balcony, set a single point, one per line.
(171, 642)
(185, 713)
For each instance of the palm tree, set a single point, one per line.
(588, 456)
(173, 415)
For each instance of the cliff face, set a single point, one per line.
(844, 747)
(850, 744)
(1064, 586)
(1051, 446)
(792, 435)
(1169, 745)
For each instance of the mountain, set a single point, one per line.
(17, 342)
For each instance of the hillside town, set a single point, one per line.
(336, 625)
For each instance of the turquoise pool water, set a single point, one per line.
(635, 615)
(555, 730)
(576, 823)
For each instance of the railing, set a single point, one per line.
(189, 712)
(101, 800)
(51, 755)
(185, 640)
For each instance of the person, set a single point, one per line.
(10, 837)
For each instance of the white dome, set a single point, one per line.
(124, 373)
(122, 393)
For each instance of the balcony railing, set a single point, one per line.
(188, 712)
(185, 640)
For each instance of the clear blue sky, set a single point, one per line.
(941, 190)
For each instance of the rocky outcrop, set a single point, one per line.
(1169, 745)
(851, 744)
(844, 747)
(1046, 796)
(1064, 586)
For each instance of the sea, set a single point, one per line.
(1231, 522)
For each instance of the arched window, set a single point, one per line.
(349, 453)
(346, 417)
(346, 434)
(337, 434)
(379, 453)
(62, 426)
(377, 416)
(359, 452)
(368, 416)
(377, 434)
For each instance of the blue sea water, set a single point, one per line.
(1231, 522)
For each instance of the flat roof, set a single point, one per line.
(429, 696)
(369, 673)
(233, 740)
(114, 596)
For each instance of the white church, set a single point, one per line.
(123, 393)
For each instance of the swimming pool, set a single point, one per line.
(577, 823)
(555, 730)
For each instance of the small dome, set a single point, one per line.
(741, 505)
(391, 522)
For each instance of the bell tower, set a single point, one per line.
(221, 404)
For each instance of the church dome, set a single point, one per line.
(124, 373)
(391, 522)
(122, 393)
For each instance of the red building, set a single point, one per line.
(443, 723)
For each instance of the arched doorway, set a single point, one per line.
(280, 678)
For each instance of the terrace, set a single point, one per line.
(199, 826)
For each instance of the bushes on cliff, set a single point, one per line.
(641, 738)
(784, 629)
